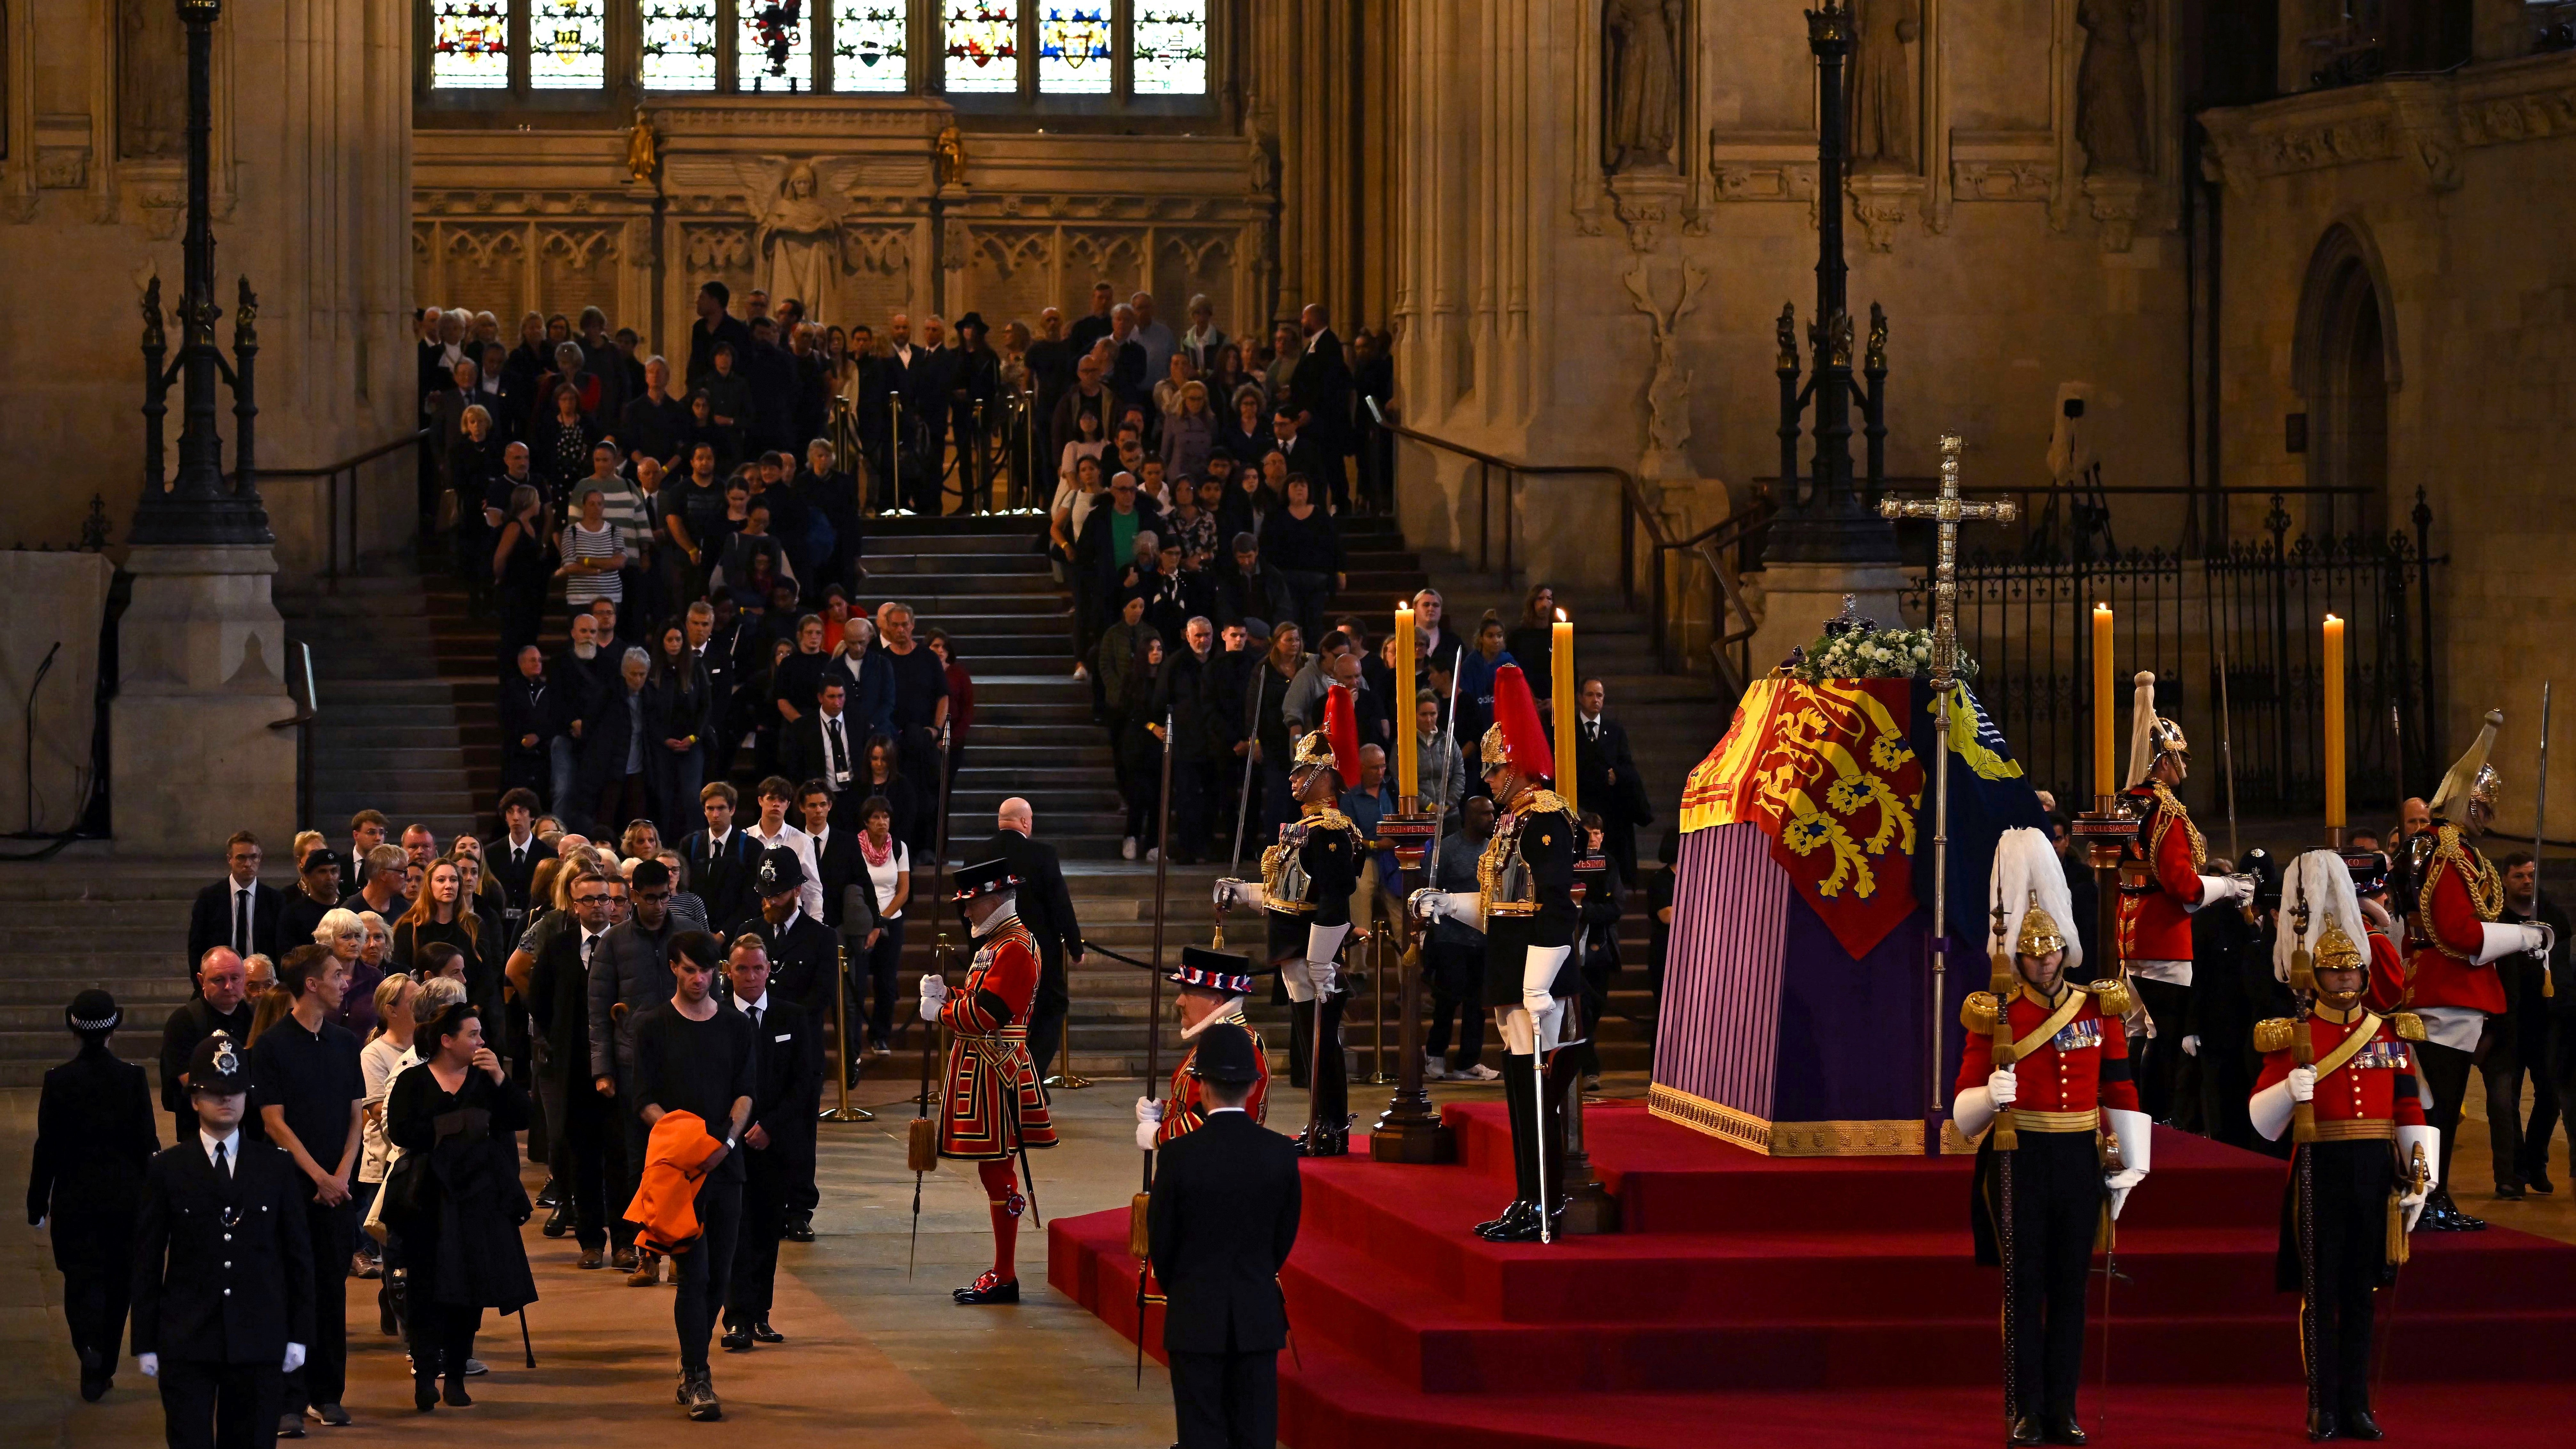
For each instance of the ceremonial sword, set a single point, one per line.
(2226, 752)
(1153, 1044)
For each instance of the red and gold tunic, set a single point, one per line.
(2159, 877)
(2387, 989)
(2366, 1092)
(2459, 894)
(1185, 1110)
(992, 1105)
(2064, 1081)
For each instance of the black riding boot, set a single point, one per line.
(1522, 1216)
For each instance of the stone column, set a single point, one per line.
(200, 679)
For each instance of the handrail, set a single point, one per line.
(345, 464)
(302, 723)
(342, 525)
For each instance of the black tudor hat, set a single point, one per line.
(983, 878)
(1226, 1056)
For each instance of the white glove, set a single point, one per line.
(2407, 1138)
(1149, 1121)
(150, 1363)
(1321, 975)
(294, 1357)
(1231, 893)
(2191, 1046)
(2001, 1087)
(1427, 904)
(2220, 889)
(2499, 939)
(934, 992)
(2548, 937)
(2303, 1084)
(2136, 1134)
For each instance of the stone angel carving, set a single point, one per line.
(796, 211)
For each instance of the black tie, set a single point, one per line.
(241, 924)
(840, 761)
(220, 1169)
(755, 1018)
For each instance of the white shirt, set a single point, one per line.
(809, 896)
(761, 1004)
(885, 879)
(229, 1142)
(832, 725)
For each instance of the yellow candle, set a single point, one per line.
(2333, 686)
(2106, 716)
(1561, 669)
(1408, 748)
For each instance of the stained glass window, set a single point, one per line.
(773, 48)
(983, 46)
(469, 44)
(869, 45)
(567, 45)
(1171, 47)
(1073, 49)
(679, 45)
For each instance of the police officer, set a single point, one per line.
(223, 1268)
(94, 1138)
(1220, 1223)
(805, 968)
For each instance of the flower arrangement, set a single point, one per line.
(1870, 653)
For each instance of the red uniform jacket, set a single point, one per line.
(2155, 911)
(2460, 893)
(2065, 1080)
(1185, 1110)
(2387, 989)
(993, 1103)
(2369, 1095)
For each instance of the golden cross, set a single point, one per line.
(1947, 511)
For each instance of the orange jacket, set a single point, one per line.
(665, 1210)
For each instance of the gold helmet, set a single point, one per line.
(2032, 910)
(2335, 951)
(2322, 928)
(2151, 736)
(2039, 931)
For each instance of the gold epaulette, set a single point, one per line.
(2273, 1034)
(1979, 1011)
(1329, 818)
(2407, 1025)
(2112, 995)
(1539, 802)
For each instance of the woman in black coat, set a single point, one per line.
(1302, 542)
(455, 1197)
(560, 443)
(679, 722)
(94, 1137)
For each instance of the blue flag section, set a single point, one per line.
(1988, 796)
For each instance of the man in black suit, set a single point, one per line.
(1221, 1220)
(236, 911)
(222, 1003)
(513, 859)
(223, 1267)
(929, 375)
(1320, 388)
(557, 991)
(786, 1094)
(824, 745)
(1047, 908)
(1606, 777)
(94, 1141)
(836, 850)
(721, 859)
(526, 710)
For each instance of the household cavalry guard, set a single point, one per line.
(1306, 884)
(2453, 941)
(2161, 888)
(2373, 1156)
(2046, 1061)
(1213, 985)
(991, 1108)
(1525, 905)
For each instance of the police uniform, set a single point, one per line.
(991, 1104)
(2073, 1098)
(2370, 1125)
(2161, 888)
(804, 969)
(94, 1140)
(223, 1274)
(2453, 942)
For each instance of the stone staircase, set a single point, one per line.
(390, 731)
(87, 919)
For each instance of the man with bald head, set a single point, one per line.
(1048, 909)
(222, 1003)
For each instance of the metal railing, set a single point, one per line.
(340, 523)
(302, 723)
(1717, 550)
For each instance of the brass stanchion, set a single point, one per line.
(841, 1046)
(1066, 1079)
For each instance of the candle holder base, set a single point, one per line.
(1412, 1132)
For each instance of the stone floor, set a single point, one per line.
(876, 1355)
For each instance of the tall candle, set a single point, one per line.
(1561, 669)
(2106, 780)
(1408, 747)
(2333, 685)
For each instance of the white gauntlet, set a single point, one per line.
(1231, 893)
(934, 993)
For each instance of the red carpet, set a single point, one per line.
(1794, 1301)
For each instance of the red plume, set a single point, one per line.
(1343, 729)
(1517, 713)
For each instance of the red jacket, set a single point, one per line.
(2460, 893)
(2366, 1096)
(2084, 1067)
(2159, 878)
(1185, 1110)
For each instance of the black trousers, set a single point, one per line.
(706, 1270)
(2535, 1042)
(796, 1151)
(2157, 1076)
(221, 1405)
(1226, 1400)
(766, 1179)
(325, 1375)
(595, 1154)
(2562, 1081)
(96, 1259)
(1195, 784)
(919, 750)
(879, 968)
(2502, 1070)
(2352, 1186)
(2226, 1081)
(1332, 1094)
(2446, 1072)
(1047, 1010)
(1457, 981)
(442, 1337)
(2057, 1205)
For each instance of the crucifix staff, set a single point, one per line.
(1947, 511)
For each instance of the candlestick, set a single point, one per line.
(2333, 686)
(1408, 757)
(2106, 780)
(1561, 669)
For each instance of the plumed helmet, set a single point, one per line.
(1516, 736)
(2151, 735)
(2332, 938)
(2029, 885)
(2471, 780)
(1336, 746)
